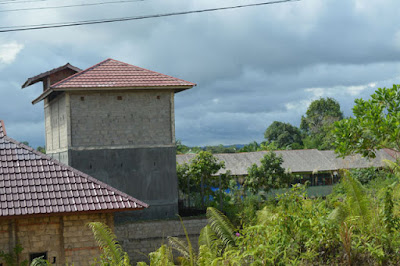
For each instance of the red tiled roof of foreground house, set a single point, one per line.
(111, 73)
(2, 129)
(32, 183)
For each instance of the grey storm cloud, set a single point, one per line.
(252, 66)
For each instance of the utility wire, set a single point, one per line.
(66, 6)
(11, 2)
(20, 2)
(91, 22)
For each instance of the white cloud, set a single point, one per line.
(317, 92)
(356, 90)
(298, 105)
(9, 51)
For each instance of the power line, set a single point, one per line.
(91, 22)
(20, 2)
(66, 6)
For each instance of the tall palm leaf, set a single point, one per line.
(222, 227)
(186, 250)
(357, 199)
(357, 206)
(107, 241)
(207, 237)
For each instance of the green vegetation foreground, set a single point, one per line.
(356, 225)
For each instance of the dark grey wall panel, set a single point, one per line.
(148, 174)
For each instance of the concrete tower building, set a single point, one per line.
(115, 122)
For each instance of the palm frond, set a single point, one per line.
(39, 262)
(192, 256)
(206, 256)
(339, 214)
(163, 256)
(221, 225)
(107, 241)
(266, 216)
(207, 237)
(357, 199)
(179, 246)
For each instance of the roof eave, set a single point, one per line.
(42, 96)
(3, 128)
(14, 216)
(139, 204)
(173, 87)
(40, 77)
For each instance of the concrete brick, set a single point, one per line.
(139, 119)
(45, 234)
(146, 237)
(56, 124)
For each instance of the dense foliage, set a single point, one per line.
(198, 177)
(356, 225)
(376, 124)
(268, 175)
(318, 123)
(284, 135)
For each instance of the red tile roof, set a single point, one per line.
(42, 76)
(32, 183)
(111, 73)
(2, 129)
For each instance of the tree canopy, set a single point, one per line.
(375, 125)
(269, 175)
(199, 175)
(318, 122)
(284, 135)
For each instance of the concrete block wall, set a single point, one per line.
(5, 236)
(56, 124)
(65, 239)
(148, 174)
(127, 118)
(138, 239)
(79, 244)
(40, 235)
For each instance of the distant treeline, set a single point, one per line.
(315, 132)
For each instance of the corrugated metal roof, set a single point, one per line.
(32, 183)
(357, 161)
(111, 73)
(295, 161)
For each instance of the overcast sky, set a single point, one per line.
(253, 65)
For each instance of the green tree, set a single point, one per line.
(200, 173)
(41, 149)
(26, 143)
(375, 125)
(284, 135)
(221, 149)
(318, 123)
(252, 146)
(269, 175)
